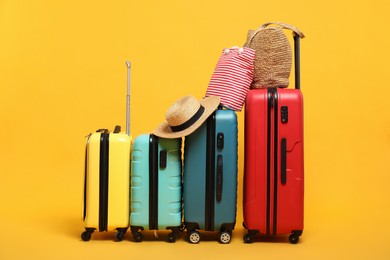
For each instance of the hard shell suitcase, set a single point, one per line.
(106, 186)
(273, 174)
(106, 204)
(210, 177)
(156, 186)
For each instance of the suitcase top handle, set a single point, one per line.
(283, 26)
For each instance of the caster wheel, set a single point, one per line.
(182, 227)
(248, 238)
(119, 235)
(225, 237)
(194, 237)
(171, 238)
(293, 238)
(86, 236)
(137, 237)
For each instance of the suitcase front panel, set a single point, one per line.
(156, 183)
(169, 183)
(210, 185)
(140, 182)
(273, 179)
(291, 183)
(106, 194)
(226, 147)
(255, 204)
(119, 181)
(91, 191)
(194, 177)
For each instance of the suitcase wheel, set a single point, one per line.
(293, 238)
(86, 235)
(119, 235)
(248, 238)
(137, 236)
(182, 227)
(193, 237)
(171, 237)
(225, 237)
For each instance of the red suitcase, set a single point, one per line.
(273, 175)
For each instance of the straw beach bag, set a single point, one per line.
(273, 54)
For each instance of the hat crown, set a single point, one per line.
(182, 110)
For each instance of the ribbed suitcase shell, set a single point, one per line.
(223, 215)
(273, 174)
(118, 209)
(169, 185)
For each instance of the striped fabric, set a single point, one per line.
(232, 77)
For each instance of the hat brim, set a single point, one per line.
(210, 104)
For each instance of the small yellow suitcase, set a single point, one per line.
(107, 179)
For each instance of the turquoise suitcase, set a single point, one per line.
(210, 177)
(156, 186)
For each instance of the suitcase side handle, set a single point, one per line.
(163, 159)
(283, 161)
(219, 178)
(297, 60)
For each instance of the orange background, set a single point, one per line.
(63, 75)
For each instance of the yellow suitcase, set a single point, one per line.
(107, 182)
(107, 179)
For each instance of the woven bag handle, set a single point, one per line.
(295, 30)
(284, 26)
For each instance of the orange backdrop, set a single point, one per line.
(63, 75)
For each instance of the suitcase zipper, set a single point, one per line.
(272, 160)
(103, 180)
(269, 107)
(210, 173)
(275, 157)
(153, 182)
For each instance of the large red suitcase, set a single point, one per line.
(273, 174)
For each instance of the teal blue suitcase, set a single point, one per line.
(210, 177)
(156, 186)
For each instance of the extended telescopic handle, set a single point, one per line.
(297, 61)
(128, 64)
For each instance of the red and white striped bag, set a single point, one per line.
(232, 77)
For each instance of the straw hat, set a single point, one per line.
(186, 115)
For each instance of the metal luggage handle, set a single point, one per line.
(297, 60)
(128, 64)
